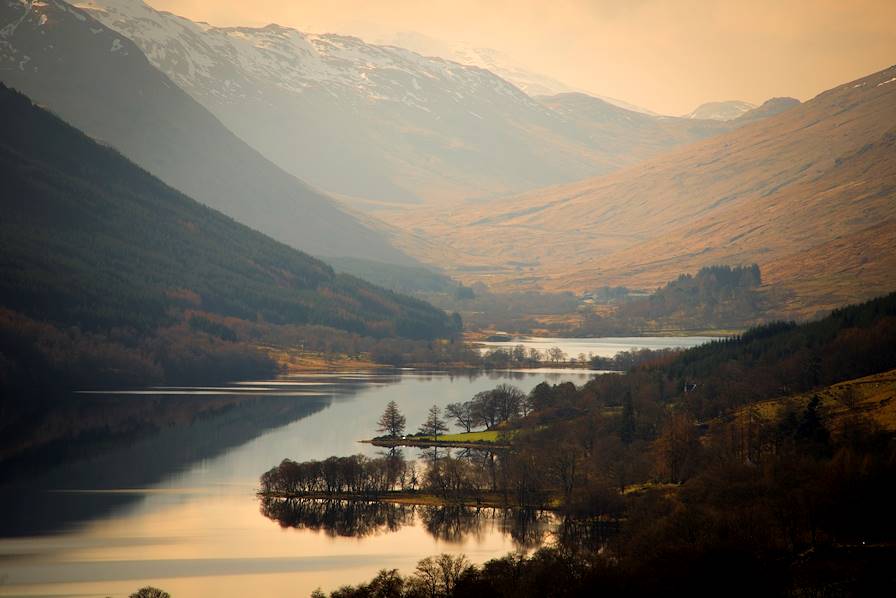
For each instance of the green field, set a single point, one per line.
(484, 436)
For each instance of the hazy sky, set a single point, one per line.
(665, 55)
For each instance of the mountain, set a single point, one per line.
(625, 136)
(485, 58)
(92, 241)
(373, 124)
(534, 84)
(768, 108)
(807, 194)
(102, 83)
(409, 280)
(721, 110)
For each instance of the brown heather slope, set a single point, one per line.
(808, 194)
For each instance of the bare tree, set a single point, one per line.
(438, 576)
(485, 409)
(556, 354)
(462, 414)
(508, 399)
(392, 421)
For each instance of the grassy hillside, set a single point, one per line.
(872, 397)
(806, 194)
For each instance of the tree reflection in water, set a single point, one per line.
(589, 534)
(338, 517)
(453, 523)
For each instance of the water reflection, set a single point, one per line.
(111, 492)
(128, 441)
(452, 524)
(351, 518)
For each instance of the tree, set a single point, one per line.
(508, 399)
(627, 425)
(556, 354)
(485, 409)
(541, 396)
(150, 592)
(439, 576)
(434, 424)
(462, 414)
(392, 421)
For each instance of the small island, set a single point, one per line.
(472, 478)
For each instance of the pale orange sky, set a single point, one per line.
(665, 55)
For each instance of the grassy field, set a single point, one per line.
(484, 436)
(495, 438)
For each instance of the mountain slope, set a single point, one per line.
(100, 82)
(413, 129)
(768, 108)
(90, 240)
(534, 84)
(728, 110)
(626, 136)
(807, 194)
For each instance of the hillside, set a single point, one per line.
(92, 241)
(727, 110)
(402, 279)
(626, 135)
(414, 129)
(102, 83)
(806, 194)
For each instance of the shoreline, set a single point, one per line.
(408, 442)
(486, 500)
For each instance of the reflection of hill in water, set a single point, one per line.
(131, 442)
(452, 524)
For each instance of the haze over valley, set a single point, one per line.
(443, 300)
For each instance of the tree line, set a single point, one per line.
(701, 484)
(487, 409)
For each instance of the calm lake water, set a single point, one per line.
(604, 347)
(158, 488)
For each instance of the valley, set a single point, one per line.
(806, 194)
(402, 300)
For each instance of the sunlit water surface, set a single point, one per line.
(602, 347)
(174, 506)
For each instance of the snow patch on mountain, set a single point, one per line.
(534, 84)
(230, 62)
(727, 110)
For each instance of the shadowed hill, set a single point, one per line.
(91, 240)
(101, 83)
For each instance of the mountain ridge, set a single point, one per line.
(93, 241)
(417, 130)
(776, 191)
(98, 80)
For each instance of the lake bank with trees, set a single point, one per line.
(681, 458)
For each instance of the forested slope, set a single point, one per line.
(108, 276)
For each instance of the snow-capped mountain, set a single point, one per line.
(361, 120)
(100, 82)
(231, 63)
(727, 110)
(534, 84)
(368, 121)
